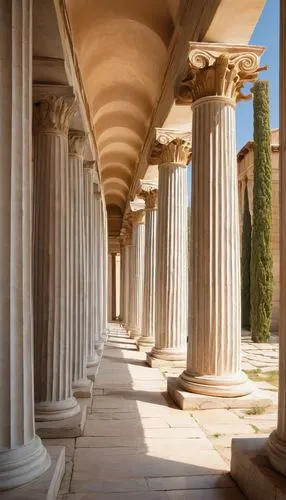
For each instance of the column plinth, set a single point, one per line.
(216, 76)
(138, 248)
(22, 455)
(53, 339)
(147, 339)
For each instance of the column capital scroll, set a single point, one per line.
(52, 114)
(138, 217)
(219, 70)
(77, 142)
(149, 193)
(171, 146)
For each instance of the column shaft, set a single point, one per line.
(138, 277)
(213, 364)
(147, 338)
(171, 264)
(122, 277)
(77, 253)
(99, 270)
(88, 176)
(113, 285)
(22, 455)
(127, 252)
(53, 340)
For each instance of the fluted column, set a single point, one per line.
(127, 266)
(99, 336)
(113, 285)
(104, 260)
(89, 278)
(213, 363)
(122, 277)
(277, 440)
(22, 455)
(53, 340)
(138, 219)
(171, 256)
(77, 251)
(147, 339)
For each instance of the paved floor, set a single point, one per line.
(137, 445)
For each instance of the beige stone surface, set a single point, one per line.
(137, 445)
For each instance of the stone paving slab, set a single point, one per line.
(138, 445)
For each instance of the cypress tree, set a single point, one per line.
(245, 263)
(261, 256)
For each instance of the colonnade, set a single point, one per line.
(52, 256)
(53, 220)
(208, 342)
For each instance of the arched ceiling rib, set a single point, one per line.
(122, 49)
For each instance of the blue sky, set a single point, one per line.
(266, 33)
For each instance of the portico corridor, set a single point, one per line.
(136, 444)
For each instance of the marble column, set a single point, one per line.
(22, 455)
(89, 281)
(138, 243)
(77, 251)
(122, 277)
(99, 269)
(171, 256)
(113, 286)
(216, 77)
(104, 239)
(127, 264)
(147, 339)
(53, 339)
(277, 440)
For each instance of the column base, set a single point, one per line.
(69, 428)
(23, 464)
(145, 344)
(276, 449)
(252, 470)
(56, 410)
(212, 385)
(82, 388)
(92, 360)
(192, 401)
(134, 334)
(169, 354)
(164, 363)
(47, 485)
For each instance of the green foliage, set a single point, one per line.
(245, 264)
(261, 257)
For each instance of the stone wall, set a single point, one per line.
(245, 175)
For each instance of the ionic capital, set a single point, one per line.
(126, 236)
(52, 114)
(137, 213)
(219, 70)
(171, 146)
(149, 193)
(89, 165)
(77, 142)
(138, 217)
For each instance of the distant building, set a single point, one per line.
(245, 177)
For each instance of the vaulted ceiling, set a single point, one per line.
(122, 49)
